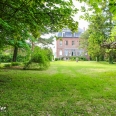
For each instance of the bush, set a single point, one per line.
(21, 58)
(82, 58)
(7, 65)
(56, 59)
(49, 53)
(15, 63)
(38, 56)
(72, 58)
(6, 58)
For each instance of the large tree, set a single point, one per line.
(101, 24)
(35, 17)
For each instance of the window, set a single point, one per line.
(60, 43)
(63, 34)
(60, 52)
(77, 53)
(66, 42)
(73, 43)
(73, 52)
(66, 52)
(68, 34)
(69, 53)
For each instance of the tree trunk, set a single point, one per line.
(97, 58)
(15, 54)
(110, 57)
(102, 58)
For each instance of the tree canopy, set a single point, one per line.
(100, 15)
(24, 19)
(35, 16)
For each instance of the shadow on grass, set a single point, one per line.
(4, 79)
(21, 68)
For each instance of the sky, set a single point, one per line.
(82, 23)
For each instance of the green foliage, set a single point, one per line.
(84, 40)
(29, 19)
(49, 53)
(99, 30)
(7, 65)
(110, 55)
(35, 17)
(39, 56)
(21, 58)
(72, 58)
(6, 58)
(95, 6)
(82, 58)
(15, 63)
(56, 59)
(85, 35)
(4, 24)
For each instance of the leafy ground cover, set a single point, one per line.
(66, 89)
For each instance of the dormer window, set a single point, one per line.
(68, 34)
(63, 34)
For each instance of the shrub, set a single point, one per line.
(20, 58)
(7, 65)
(6, 58)
(49, 53)
(72, 58)
(82, 58)
(15, 63)
(38, 56)
(56, 59)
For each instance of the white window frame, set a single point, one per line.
(60, 52)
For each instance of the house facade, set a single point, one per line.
(69, 44)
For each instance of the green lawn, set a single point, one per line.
(65, 89)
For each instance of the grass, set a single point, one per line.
(65, 89)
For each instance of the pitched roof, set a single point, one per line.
(68, 33)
